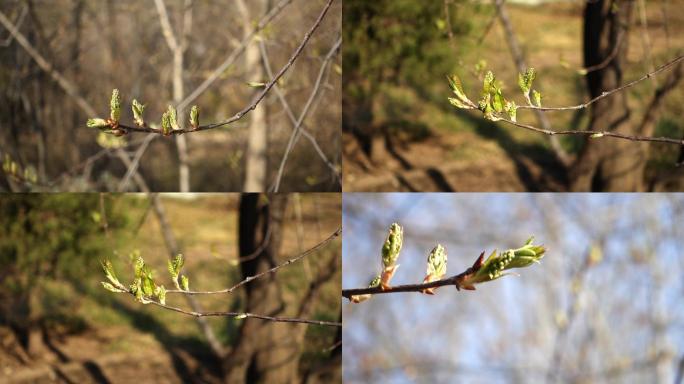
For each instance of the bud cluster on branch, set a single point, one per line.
(482, 271)
(169, 119)
(495, 107)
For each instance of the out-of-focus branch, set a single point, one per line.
(297, 128)
(519, 59)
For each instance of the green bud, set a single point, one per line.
(160, 292)
(138, 110)
(525, 81)
(392, 245)
(173, 118)
(166, 124)
(488, 83)
(537, 98)
(97, 123)
(194, 117)
(108, 269)
(115, 106)
(511, 109)
(437, 262)
(111, 288)
(185, 283)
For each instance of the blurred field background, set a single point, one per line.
(401, 133)
(605, 305)
(57, 323)
(100, 45)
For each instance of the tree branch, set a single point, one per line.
(453, 280)
(257, 99)
(269, 271)
(245, 315)
(608, 93)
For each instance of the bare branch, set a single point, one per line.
(246, 315)
(608, 93)
(260, 96)
(264, 273)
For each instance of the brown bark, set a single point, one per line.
(265, 352)
(608, 165)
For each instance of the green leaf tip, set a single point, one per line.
(375, 282)
(115, 106)
(108, 269)
(194, 117)
(437, 262)
(175, 267)
(392, 246)
(461, 100)
(97, 123)
(536, 96)
(497, 263)
(138, 110)
(185, 283)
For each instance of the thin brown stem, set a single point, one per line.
(264, 273)
(598, 134)
(608, 93)
(239, 115)
(245, 315)
(453, 280)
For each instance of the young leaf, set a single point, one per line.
(173, 118)
(115, 106)
(111, 288)
(97, 123)
(498, 101)
(194, 117)
(488, 84)
(160, 292)
(138, 110)
(373, 283)
(511, 109)
(525, 81)
(537, 98)
(166, 124)
(185, 283)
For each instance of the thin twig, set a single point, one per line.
(608, 93)
(453, 280)
(290, 114)
(245, 315)
(216, 74)
(261, 274)
(295, 132)
(597, 133)
(257, 99)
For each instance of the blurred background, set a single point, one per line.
(98, 45)
(58, 324)
(606, 304)
(401, 134)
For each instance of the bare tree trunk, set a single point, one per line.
(256, 161)
(608, 165)
(264, 352)
(178, 45)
